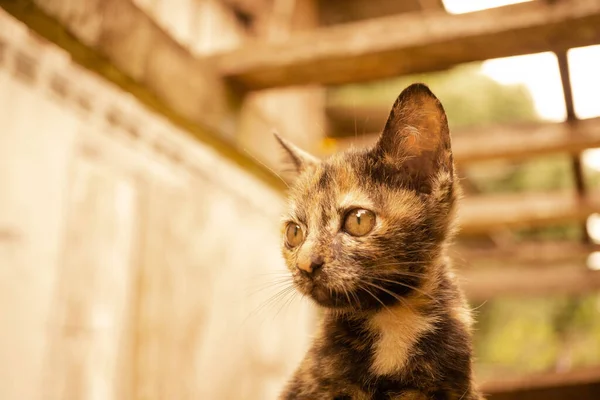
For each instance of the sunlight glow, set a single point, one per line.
(465, 6)
(593, 261)
(584, 68)
(539, 73)
(591, 158)
(593, 227)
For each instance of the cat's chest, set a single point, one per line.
(396, 331)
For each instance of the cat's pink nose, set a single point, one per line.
(310, 264)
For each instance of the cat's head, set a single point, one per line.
(364, 227)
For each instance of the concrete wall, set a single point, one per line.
(129, 253)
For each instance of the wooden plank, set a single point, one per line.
(117, 40)
(481, 284)
(487, 213)
(432, 5)
(526, 269)
(515, 142)
(349, 122)
(578, 174)
(580, 384)
(411, 43)
(332, 12)
(534, 253)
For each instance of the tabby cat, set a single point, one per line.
(365, 238)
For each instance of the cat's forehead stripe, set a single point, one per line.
(324, 177)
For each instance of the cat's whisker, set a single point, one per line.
(356, 298)
(272, 279)
(401, 264)
(286, 302)
(398, 257)
(394, 295)
(398, 273)
(479, 306)
(407, 286)
(269, 285)
(421, 250)
(267, 167)
(272, 300)
(347, 296)
(360, 287)
(270, 273)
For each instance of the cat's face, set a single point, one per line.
(364, 226)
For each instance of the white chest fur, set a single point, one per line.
(396, 331)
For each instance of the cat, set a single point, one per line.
(365, 238)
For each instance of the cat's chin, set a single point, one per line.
(328, 298)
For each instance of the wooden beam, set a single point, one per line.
(481, 284)
(578, 174)
(333, 12)
(349, 122)
(534, 253)
(580, 384)
(411, 43)
(517, 142)
(487, 213)
(428, 5)
(525, 269)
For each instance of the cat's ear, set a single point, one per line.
(299, 159)
(416, 136)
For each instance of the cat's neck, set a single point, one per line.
(435, 289)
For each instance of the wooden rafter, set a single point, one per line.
(525, 269)
(411, 43)
(432, 5)
(518, 280)
(346, 121)
(517, 142)
(535, 254)
(563, 65)
(332, 12)
(486, 213)
(579, 384)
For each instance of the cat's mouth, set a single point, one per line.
(321, 290)
(327, 297)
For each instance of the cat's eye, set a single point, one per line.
(293, 234)
(359, 222)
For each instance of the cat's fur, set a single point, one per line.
(396, 325)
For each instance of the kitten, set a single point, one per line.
(366, 238)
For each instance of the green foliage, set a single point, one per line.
(530, 335)
(537, 174)
(469, 97)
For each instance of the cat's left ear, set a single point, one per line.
(416, 137)
(299, 159)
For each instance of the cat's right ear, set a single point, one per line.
(416, 138)
(299, 159)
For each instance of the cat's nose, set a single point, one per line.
(311, 264)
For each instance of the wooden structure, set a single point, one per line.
(266, 69)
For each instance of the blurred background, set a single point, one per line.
(140, 202)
